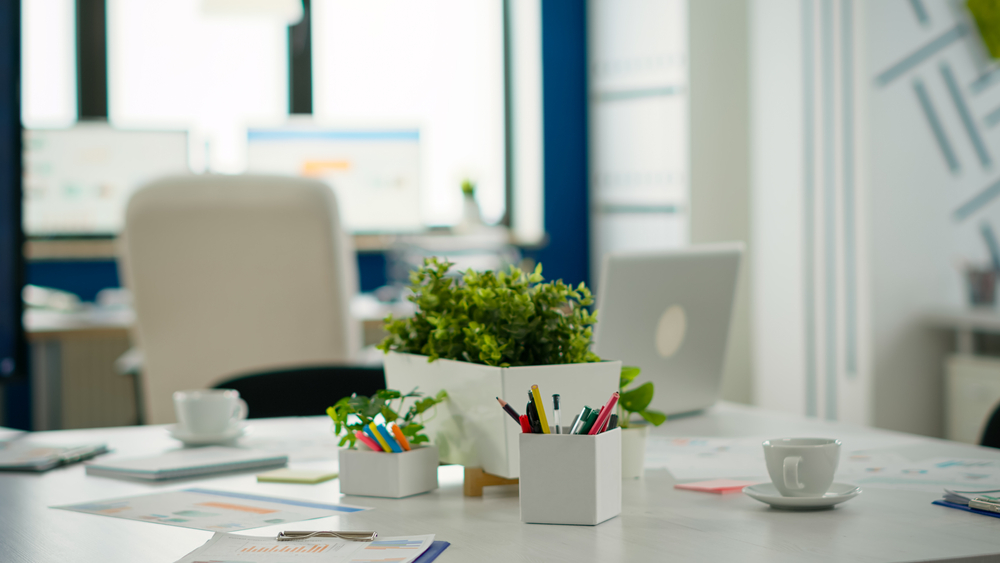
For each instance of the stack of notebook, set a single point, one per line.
(193, 462)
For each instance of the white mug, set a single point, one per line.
(802, 467)
(209, 412)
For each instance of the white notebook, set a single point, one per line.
(191, 462)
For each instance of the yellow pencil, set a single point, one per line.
(381, 440)
(541, 410)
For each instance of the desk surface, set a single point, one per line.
(657, 521)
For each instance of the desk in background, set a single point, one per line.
(658, 523)
(73, 377)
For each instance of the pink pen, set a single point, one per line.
(602, 418)
(372, 444)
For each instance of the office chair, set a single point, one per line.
(991, 433)
(234, 275)
(304, 391)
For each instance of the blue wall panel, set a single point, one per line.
(564, 107)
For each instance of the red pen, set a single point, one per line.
(525, 425)
(605, 413)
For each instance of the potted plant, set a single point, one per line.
(372, 471)
(631, 402)
(483, 335)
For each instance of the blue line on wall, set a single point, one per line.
(932, 119)
(921, 55)
(850, 244)
(992, 118)
(977, 202)
(564, 108)
(920, 11)
(985, 81)
(808, 199)
(963, 112)
(829, 212)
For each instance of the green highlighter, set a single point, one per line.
(591, 419)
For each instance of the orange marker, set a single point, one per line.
(400, 438)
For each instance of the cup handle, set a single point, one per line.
(241, 411)
(792, 473)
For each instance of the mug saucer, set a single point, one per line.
(768, 494)
(190, 439)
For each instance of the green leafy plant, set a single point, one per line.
(498, 319)
(365, 409)
(635, 401)
(468, 188)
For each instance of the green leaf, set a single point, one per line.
(655, 418)
(629, 373)
(636, 400)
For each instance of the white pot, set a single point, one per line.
(634, 451)
(470, 428)
(390, 475)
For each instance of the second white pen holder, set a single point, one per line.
(571, 479)
(389, 475)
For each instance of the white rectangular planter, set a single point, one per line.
(470, 428)
(571, 479)
(390, 475)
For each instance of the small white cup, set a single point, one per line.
(802, 467)
(209, 412)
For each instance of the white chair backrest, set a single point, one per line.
(235, 274)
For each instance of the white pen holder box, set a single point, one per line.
(571, 479)
(389, 475)
(470, 427)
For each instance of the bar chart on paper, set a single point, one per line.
(233, 548)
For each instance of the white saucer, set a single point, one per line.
(768, 494)
(189, 439)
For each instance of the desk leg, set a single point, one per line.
(476, 479)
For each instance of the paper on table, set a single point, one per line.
(205, 509)
(717, 458)
(931, 475)
(250, 549)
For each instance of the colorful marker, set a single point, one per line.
(542, 419)
(400, 437)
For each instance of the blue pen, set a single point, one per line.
(390, 439)
(369, 432)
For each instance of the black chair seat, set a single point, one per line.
(991, 434)
(303, 391)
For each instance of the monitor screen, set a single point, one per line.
(78, 180)
(374, 172)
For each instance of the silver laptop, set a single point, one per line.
(668, 313)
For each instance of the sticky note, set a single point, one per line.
(301, 476)
(717, 486)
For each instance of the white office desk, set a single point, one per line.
(658, 523)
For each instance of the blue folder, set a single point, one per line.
(432, 552)
(966, 508)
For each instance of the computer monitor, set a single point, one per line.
(374, 172)
(78, 180)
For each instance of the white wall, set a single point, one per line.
(719, 122)
(873, 124)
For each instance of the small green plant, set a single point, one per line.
(635, 401)
(468, 188)
(498, 319)
(365, 409)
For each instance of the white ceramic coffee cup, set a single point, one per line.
(802, 467)
(209, 412)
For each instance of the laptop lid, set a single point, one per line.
(668, 313)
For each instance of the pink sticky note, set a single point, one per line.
(717, 486)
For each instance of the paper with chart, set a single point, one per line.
(932, 475)
(864, 461)
(232, 548)
(207, 509)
